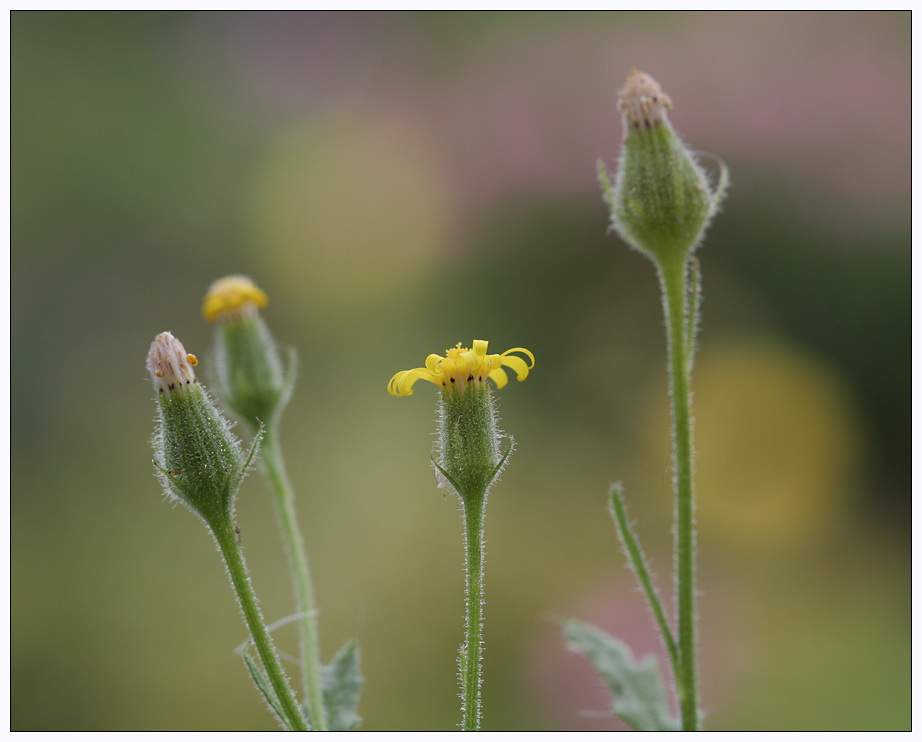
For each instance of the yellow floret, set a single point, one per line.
(461, 366)
(233, 297)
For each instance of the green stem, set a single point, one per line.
(471, 652)
(673, 277)
(236, 569)
(283, 496)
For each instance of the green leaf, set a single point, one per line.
(342, 682)
(639, 563)
(637, 689)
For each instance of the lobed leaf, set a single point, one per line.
(637, 689)
(342, 682)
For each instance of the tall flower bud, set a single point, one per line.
(661, 202)
(249, 377)
(199, 461)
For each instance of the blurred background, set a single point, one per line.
(401, 182)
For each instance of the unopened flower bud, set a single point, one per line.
(169, 365)
(248, 374)
(661, 201)
(199, 461)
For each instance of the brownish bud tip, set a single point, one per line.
(643, 102)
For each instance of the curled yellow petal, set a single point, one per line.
(500, 378)
(525, 351)
(518, 365)
(401, 384)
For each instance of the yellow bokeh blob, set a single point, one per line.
(348, 213)
(778, 446)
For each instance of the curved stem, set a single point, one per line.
(673, 278)
(240, 580)
(283, 497)
(471, 651)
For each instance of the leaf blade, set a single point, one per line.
(259, 680)
(341, 683)
(637, 688)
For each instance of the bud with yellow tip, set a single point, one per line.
(248, 373)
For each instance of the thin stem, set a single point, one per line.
(240, 580)
(283, 496)
(673, 277)
(471, 652)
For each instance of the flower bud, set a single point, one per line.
(199, 460)
(248, 371)
(661, 201)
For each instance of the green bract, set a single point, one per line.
(248, 371)
(468, 440)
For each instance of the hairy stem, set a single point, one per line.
(471, 651)
(236, 569)
(673, 275)
(283, 497)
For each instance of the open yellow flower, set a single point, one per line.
(460, 366)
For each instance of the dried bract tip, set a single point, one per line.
(169, 365)
(233, 297)
(643, 102)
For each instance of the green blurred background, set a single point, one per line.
(399, 183)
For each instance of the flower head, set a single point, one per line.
(661, 201)
(199, 460)
(468, 455)
(169, 365)
(248, 374)
(233, 297)
(461, 366)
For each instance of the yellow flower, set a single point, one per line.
(233, 297)
(463, 365)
